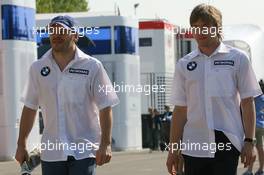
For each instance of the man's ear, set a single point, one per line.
(76, 38)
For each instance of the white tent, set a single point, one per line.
(249, 38)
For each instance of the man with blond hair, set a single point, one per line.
(210, 84)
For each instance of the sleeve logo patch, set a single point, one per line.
(79, 71)
(224, 62)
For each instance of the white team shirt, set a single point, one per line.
(212, 88)
(70, 101)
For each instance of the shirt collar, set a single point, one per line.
(79, 55)
(222, 48)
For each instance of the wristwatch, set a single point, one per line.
(250, 140)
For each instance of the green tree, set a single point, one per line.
(57, 6)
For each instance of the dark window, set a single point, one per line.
(18, 23)
(41, 37)
(126, 40)
(101, 41)
(185, 47)
(145, 42)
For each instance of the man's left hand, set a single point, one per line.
(103, 155)
(248, 155)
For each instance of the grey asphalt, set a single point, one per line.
(122, 163)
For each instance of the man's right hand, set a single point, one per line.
(173, 161)
(21, 154)
(26, 123)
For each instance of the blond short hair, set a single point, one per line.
(208, 14)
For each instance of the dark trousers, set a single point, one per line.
(225, 162)
(69, 167)
(155, 139)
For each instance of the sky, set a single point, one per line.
(178, 11)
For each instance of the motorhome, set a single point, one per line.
(114, 41)
(16, 55)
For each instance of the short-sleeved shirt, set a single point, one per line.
(212, 88)
(259, 103)
(70, 101)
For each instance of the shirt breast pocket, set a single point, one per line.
(75, 89)
(221, 83)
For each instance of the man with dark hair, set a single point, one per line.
(209, 85)
(77, 115)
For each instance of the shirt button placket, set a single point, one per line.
(60, 109)
(208, 102)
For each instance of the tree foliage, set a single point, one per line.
(57, 6)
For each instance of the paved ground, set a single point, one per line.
(143, 163)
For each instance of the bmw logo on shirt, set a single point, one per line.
(45, 71)
(191, 65)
